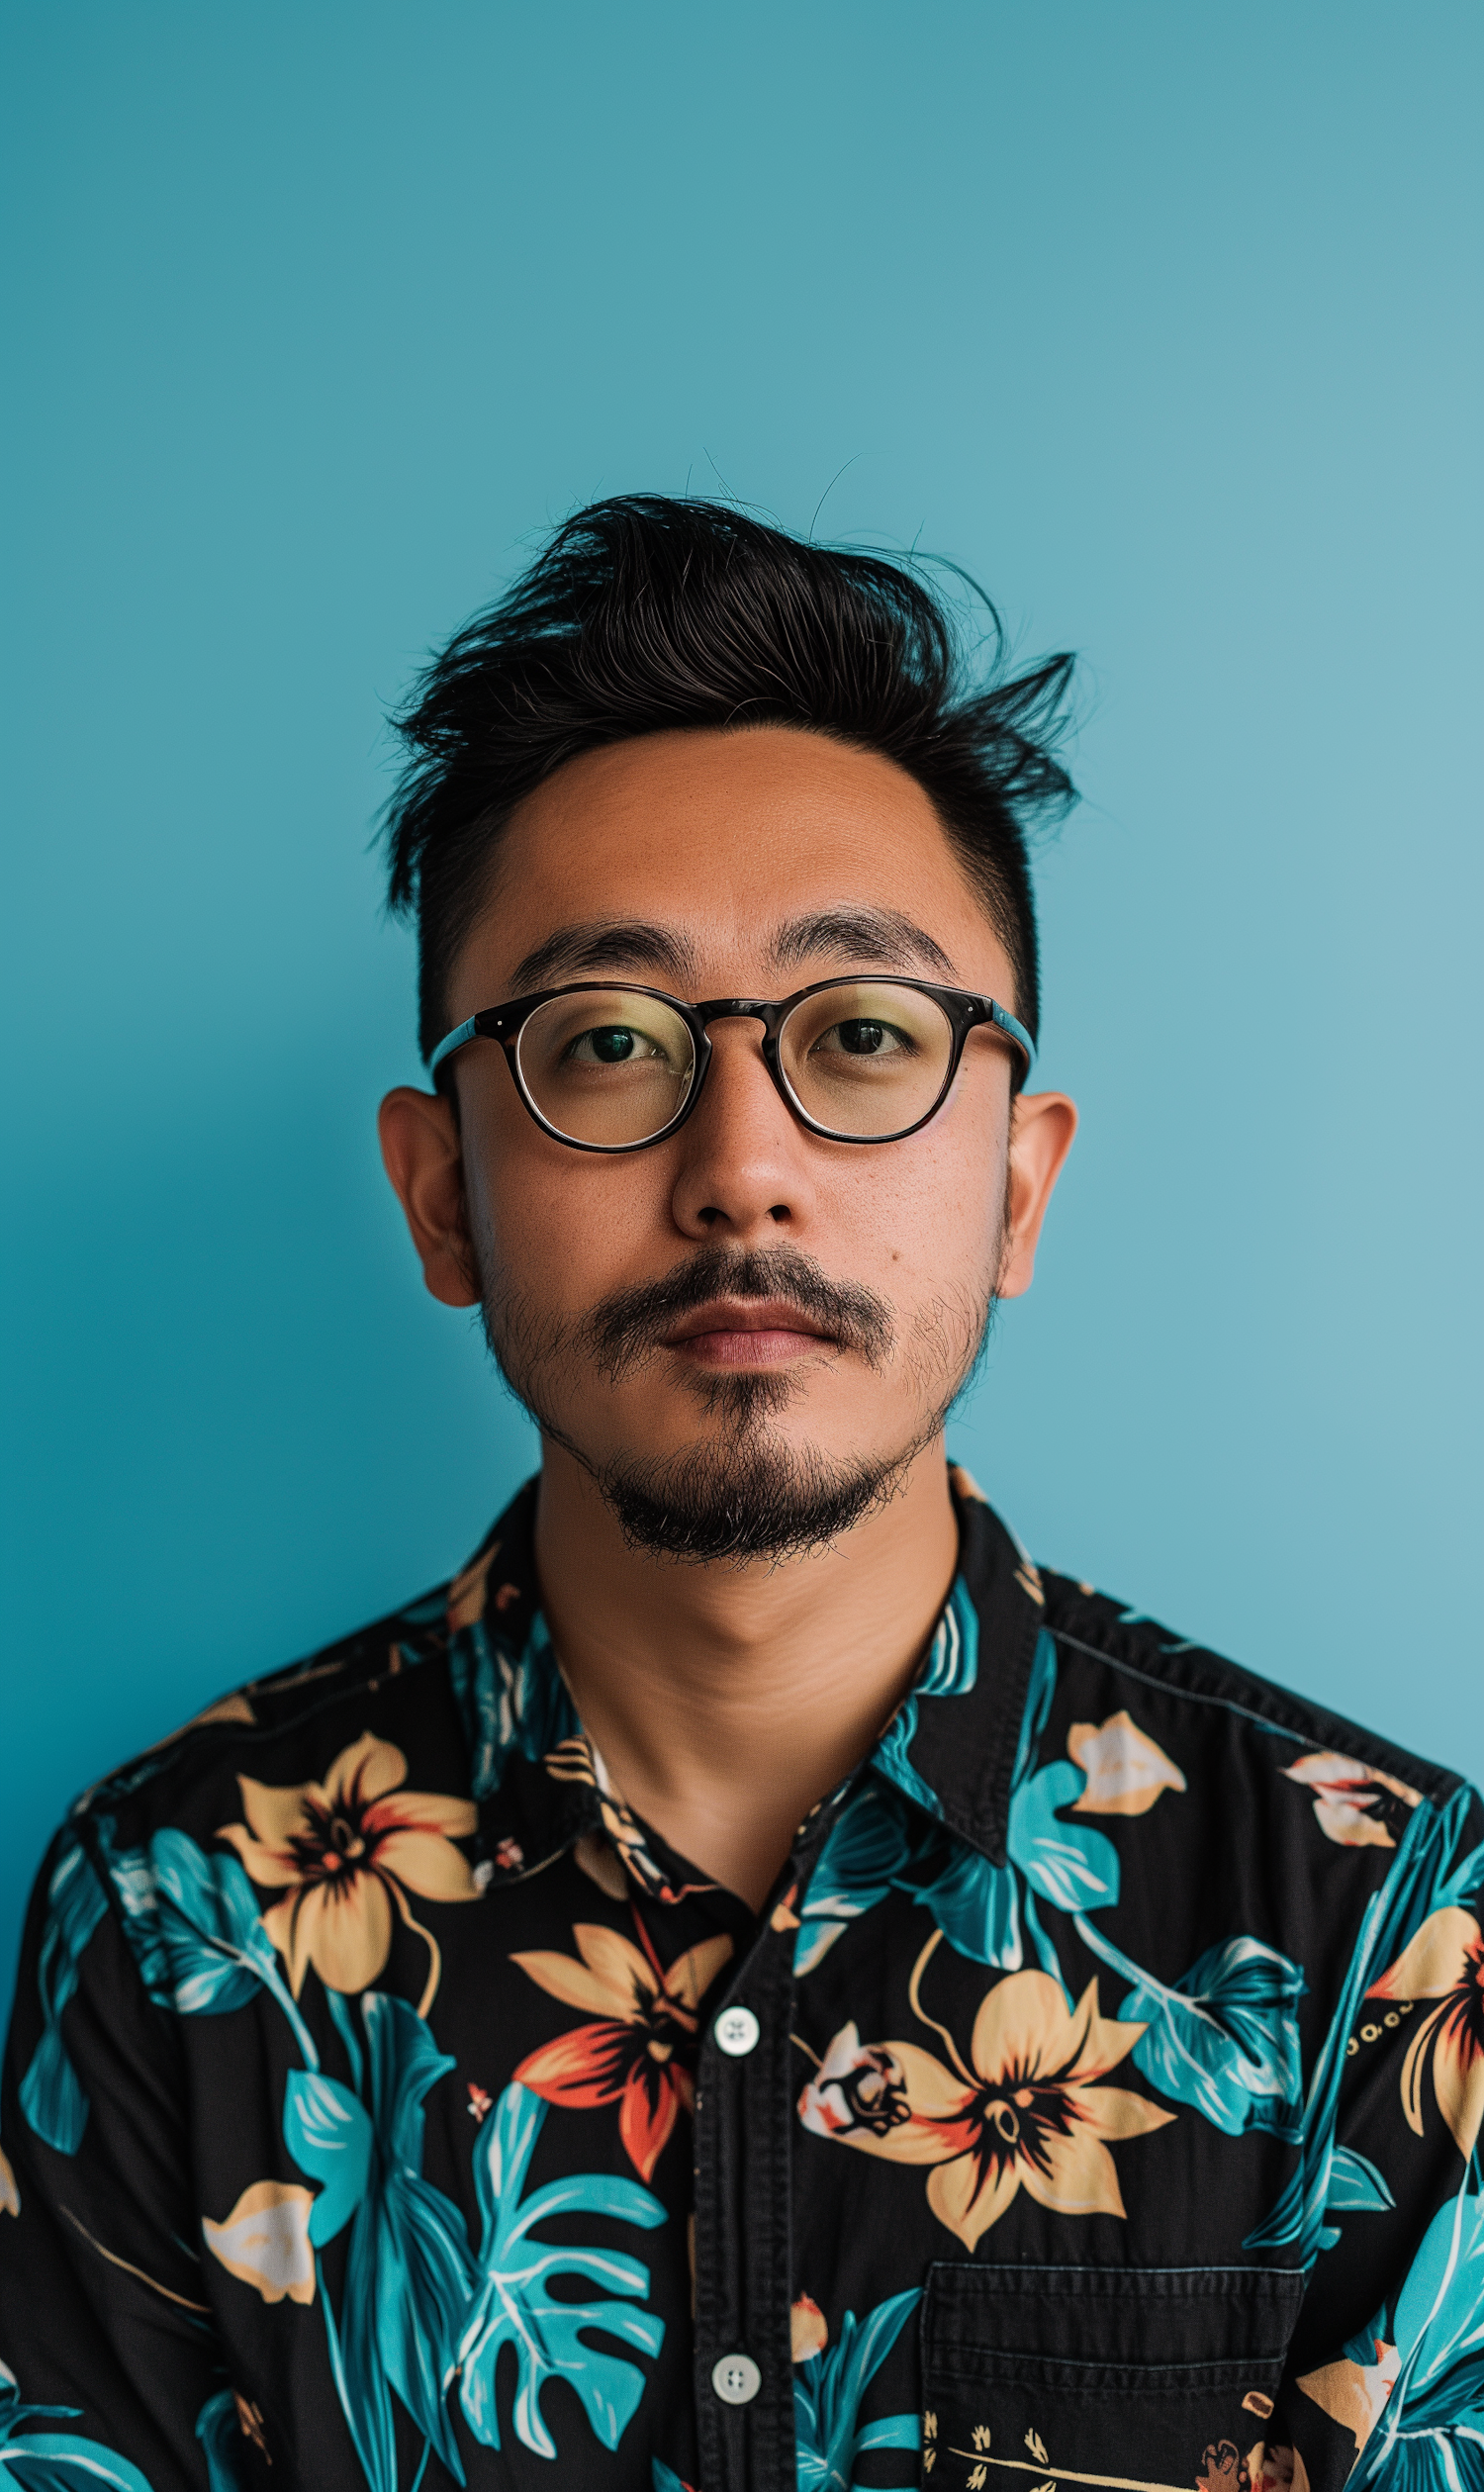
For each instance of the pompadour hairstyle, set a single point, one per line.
(645, 613)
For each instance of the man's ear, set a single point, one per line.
(1041, 1135)
(422, 1156)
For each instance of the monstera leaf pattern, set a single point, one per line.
(515, 2306)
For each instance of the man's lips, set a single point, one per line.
(746, 1332)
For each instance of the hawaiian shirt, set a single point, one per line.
(1095, 2101)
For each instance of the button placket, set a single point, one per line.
(743, 2356)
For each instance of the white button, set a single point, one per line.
(736, 2378)
(737, 2032)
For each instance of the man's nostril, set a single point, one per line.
(778, 1211)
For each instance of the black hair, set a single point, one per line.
(644, 614)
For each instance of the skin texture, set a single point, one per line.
(726, 1697)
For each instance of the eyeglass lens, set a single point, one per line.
(611, 1068)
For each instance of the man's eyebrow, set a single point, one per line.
(622, 944)
(881, 936)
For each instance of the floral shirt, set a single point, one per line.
(1096, 2100)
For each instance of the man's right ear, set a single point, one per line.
(423, 1157)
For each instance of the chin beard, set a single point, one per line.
(746, 1494)
(742, 1492)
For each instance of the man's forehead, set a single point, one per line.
(653, 949)
(718, 862)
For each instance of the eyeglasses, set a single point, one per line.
(858, 1059)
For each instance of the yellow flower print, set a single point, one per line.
(1354, 1803)
(1354, 2393)
(264, 2241)
(1026, 2110)
(1126, 1770)
(1443, 1962)
(348, 1850)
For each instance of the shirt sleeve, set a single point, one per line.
(1398, 2395)
(110, 2370)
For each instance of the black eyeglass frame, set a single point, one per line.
(962, 1011)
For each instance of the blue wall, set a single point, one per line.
(1162, 320)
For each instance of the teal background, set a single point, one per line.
(1161, 319)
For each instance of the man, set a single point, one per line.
(752, 1984)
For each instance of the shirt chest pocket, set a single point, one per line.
(1136, 2379)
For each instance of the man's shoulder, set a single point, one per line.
(285, 1727)
(1188, 1676)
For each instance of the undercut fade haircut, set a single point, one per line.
(645, 613)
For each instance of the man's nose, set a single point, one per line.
(745, 1162)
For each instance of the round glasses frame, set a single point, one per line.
(962, 1011)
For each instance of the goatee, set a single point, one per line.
(741, 1492)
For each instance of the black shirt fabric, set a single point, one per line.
(1096, 2101)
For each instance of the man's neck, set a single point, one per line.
(726, 1699)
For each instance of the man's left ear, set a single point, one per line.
(1041, 1135)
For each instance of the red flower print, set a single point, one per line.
(631, 2053)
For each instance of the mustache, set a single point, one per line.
(622, 1330)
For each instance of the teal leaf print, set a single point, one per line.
(1355, 2185)
(55, 2462)
(511, 1705)
(1225, 2038)
(663, 2478)
(329, 2136)
(51, 2095)
(866, 1853)
(1395, 1912)
(217, 1951)
(1070, 1866)
(1430, 2435)
(514, 2305)
(976, 1903)
(952, 1668)
(221, 2435)
(828, 2388)
(408, 2275)
(194, 1928)
(977, 1906)
(1465, 1881)
(870, 1849)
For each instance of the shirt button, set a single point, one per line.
(737, 2032)
(736, 2378)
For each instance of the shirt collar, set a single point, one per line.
(951, 1746)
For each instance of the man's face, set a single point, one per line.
(744, 1333)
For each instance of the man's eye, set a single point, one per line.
(614, 1043)
(864, 1038)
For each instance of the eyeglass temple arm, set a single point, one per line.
(1015, 1031)
(467, 1030)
